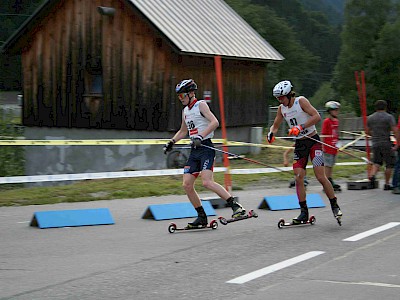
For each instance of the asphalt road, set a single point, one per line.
(250, 259)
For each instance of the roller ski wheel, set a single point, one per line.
(310, 221)
(173, 227)
(339, 220)
(250, 214)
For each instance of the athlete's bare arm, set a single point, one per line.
(206, 112)
(309, 109)
(182, 132)
(277, 122)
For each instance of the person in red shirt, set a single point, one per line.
(330, 131)
(396, 172)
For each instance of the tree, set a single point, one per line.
(299, 62)
(384, 67)
(364, 19)
(12, 14)
(314, 32)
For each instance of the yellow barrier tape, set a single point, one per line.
(116, 142)
(258, 145)
(107, 142)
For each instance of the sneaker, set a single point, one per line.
(396, 190)
(303, 217)
(201, 221)
(387, 187)
(237, 208)
(372, 182)
(292, 183)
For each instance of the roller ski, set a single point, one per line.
(239, 213)
(302, 219)
(337, 213)
(250, 214)
(192, 226)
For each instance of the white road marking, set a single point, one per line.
(365, 234)
(275, 267)
(380, 284)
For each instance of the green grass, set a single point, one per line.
(127, 188)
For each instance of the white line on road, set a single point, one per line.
(275, 267)
(379, 284)
(365, 234)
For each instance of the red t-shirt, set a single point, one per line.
(330, 127)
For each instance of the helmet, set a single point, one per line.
(332, 105)
(283, 88)
(186, 86)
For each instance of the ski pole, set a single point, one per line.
(229, 157)
(247, 159)
(338, 149)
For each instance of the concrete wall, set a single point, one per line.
(46, 160)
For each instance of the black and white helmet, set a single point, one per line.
(186, 86)
(332, 105)
(283, 88)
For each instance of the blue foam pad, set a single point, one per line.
(72, 218)
(290, 202)
(176, 211)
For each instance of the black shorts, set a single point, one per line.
(200, 159)
(307, 148)
(384, 154)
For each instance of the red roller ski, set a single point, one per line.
(172, 227)
(282, 223)
(250, 214)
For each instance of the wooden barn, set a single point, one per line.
(113, 64)
(108, 69)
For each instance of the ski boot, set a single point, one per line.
(336, 187)
(337, 213)
(200, 222)
(302, 218)
(237, 208)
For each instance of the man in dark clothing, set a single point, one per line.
(379, 126)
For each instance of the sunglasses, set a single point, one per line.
(182, 95)
(280, 98)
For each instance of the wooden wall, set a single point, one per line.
(139, 68)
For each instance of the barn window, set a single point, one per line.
(93, 83)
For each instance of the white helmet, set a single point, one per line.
(283, 88)
(332, 105)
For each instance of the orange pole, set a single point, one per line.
(218, 72)
(363, 108)
(364, 93)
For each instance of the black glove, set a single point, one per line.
(196, 141)
(270, 137)
(168, 146)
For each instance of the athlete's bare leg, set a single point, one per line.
(188, 186)
(299, 174)
(207, 177)
(319, 172)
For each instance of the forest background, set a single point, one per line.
(323, 41)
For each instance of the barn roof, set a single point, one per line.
(196, 27)
(208, 27)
